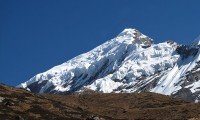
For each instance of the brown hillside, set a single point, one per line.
(19, 104)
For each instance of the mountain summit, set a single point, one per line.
(133, 36)
(131, 62)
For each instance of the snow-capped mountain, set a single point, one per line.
(131, 62)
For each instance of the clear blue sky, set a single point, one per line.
(36, 35)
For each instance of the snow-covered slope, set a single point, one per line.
(131, 62)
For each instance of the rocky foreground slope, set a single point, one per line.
(128, 63)
(20, 104)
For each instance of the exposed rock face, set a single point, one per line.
(128, 63)
(187, 50)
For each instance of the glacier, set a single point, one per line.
(130, 62)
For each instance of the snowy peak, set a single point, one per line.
(130, 62)
(133, 36)
(117, 63)
(129, 32)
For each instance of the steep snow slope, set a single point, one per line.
(128, 63)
